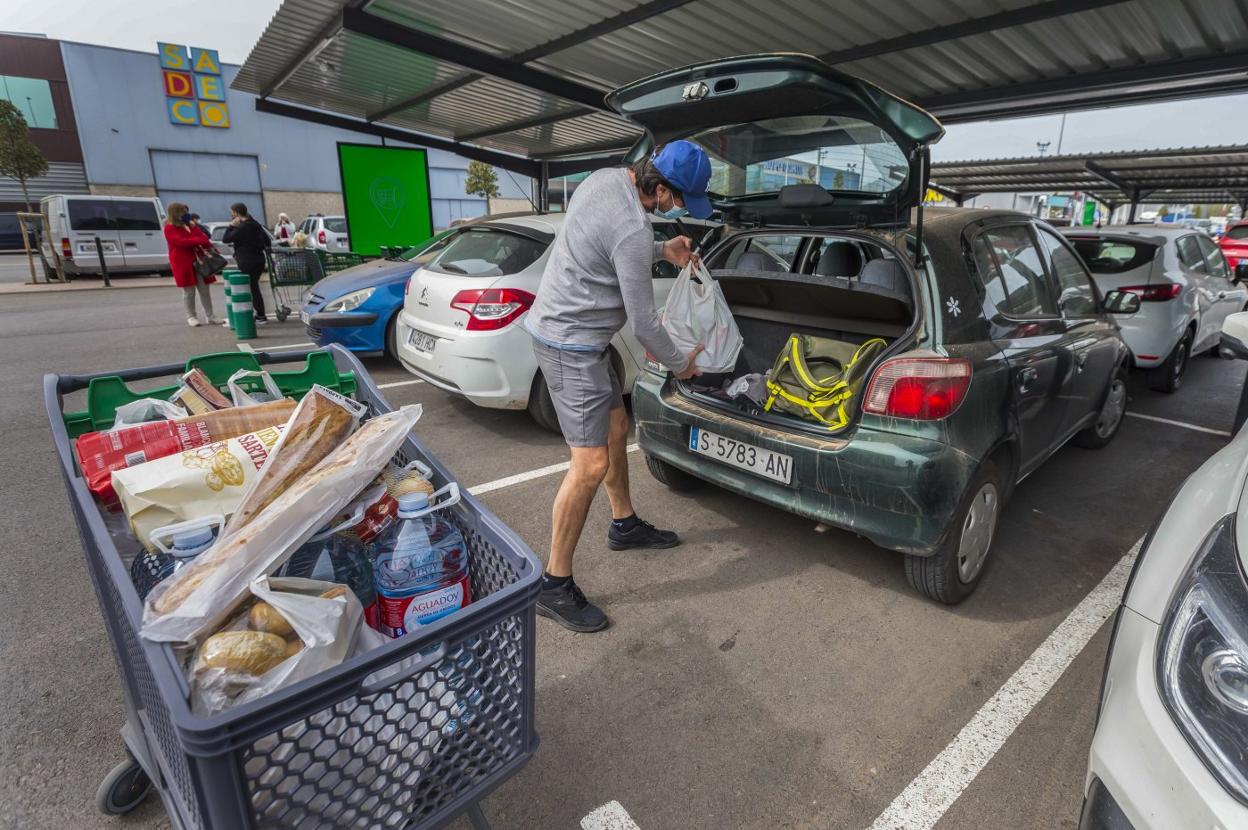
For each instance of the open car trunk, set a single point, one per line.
(770, 307)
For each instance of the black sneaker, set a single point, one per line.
(567, 606)
(642, 535)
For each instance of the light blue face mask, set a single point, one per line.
(675, 213)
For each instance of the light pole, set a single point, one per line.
(1042, 146)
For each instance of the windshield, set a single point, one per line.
(335, 224)
(1238, 232)
(487, 253)
(835, 152)
(1113, 256)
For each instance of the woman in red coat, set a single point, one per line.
(185, 244)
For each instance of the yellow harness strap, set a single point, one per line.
(821, 397)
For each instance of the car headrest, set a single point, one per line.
(884, 273)
(839, 259)
(756, 261)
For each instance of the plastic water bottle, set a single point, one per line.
(421, 571)
(342, 558)
(186, 541)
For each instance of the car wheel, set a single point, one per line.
(674, 477)
(951, 574)
(1109, 418)
(392, 337)
(541, 407)
(1168, 377)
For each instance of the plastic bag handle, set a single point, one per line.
(384, 678)
(190, 524)
(451, 491)
(351, 521)
(238, 394)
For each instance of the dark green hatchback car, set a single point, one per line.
(999, 347)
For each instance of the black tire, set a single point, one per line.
(940, 576)
(1107, 421)
(674, 477)
(541, 407)
(123, 789)
(1168, 377)
(391, 345)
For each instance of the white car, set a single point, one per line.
(1185, 286)
(326, 233)
(1169, 748)
(460, 330)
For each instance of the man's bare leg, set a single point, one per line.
(617, 471)
(576, 493)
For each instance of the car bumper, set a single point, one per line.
(1138, 755)
(896, 490)
(361, 331)
(490, 368)
(1152, 332)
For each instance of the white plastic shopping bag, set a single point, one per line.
(242, 397)
(696, 312)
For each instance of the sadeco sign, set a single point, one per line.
(194, 88)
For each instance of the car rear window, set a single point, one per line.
(1238, 232)
(1113, 256)
(762, 253)
(335, 224)
(134, 216)
(89, 215)
(488, 253)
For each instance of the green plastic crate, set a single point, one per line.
(105, 394)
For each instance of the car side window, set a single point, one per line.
(1012, 273)
(763, 253)
(1190, 255)
(1215, 263)
(1075, 295)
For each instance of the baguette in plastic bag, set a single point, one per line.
(202, 594)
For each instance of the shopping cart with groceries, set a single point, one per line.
(292, 271)
(380, 730)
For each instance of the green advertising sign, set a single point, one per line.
(386, 194)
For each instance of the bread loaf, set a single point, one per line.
(264, 617)
(249, 652)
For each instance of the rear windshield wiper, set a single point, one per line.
(452, 267)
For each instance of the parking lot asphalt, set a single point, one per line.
(761, 675)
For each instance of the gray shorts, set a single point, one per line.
(584, 388)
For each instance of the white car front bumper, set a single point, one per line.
(1144, 762)
(491, 368)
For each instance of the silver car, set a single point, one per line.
(1183, 281)
(327, 233)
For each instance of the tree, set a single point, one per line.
(482, 180)
(19, 157)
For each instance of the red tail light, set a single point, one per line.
(921, 388)
(66, 251)
(407, 286)
(1158, 293)
(492, 308)
(320, 237)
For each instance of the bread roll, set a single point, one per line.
(293, 647)
(264, 617)
(249, 652)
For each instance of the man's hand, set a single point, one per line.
(679, 251)
(691, 370)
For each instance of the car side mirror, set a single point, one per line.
(1121, 302)
(1241, 272)
(1235, 335)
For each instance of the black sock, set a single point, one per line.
(626, 524)
(549, 581)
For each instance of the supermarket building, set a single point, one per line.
(107, 123)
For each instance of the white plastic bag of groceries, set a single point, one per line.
(319, 624)
(696, 312)
(207, 591)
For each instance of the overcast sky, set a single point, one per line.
(233, 26)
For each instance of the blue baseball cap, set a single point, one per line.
(686, 166)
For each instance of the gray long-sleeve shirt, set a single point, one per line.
(598, 274)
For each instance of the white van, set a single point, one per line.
(129, 228)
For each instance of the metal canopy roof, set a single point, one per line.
(515, 81)
(1187, 175)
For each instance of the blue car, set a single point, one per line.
(357, 308)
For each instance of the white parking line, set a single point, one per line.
(938, 786)
(247, 347)
(1182, 424)
(610, 816)
(398, 383)
(520, 478)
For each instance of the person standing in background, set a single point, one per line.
(250, 242)
(186, 242)
(284, 230)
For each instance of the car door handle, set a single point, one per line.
(1026, 377)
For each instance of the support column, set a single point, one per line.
(543, 187)
(1135, 203)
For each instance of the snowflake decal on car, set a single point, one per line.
(952, 306)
